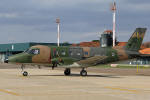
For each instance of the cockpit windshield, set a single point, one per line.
(33, 51)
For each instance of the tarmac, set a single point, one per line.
(46, 84)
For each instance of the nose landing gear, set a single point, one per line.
(24, 73)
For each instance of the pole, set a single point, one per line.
(58, 31)
(58, 35)
(114, 27)
(114, 23)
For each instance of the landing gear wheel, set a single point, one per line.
(25, 73)
(83, 73)
(67, 71)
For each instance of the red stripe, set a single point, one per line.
(50, 56)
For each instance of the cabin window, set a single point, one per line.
(57, 53)
(78, 54)
(71, 53)
(113, 54)
(63, 53)
(33, 51)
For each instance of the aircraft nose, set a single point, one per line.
(6, 61)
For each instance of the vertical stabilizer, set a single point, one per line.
(135, 41)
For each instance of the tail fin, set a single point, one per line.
(135, 41)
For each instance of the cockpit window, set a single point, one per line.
(33, 51)
(26, 50)
(36, 52)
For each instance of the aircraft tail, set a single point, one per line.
(135, 41)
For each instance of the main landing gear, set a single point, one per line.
(24, 73)
(83, 72)
(67, 72)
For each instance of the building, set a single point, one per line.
(87, 44)
(106, 39)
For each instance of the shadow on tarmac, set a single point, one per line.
(142, 75)
(78, 75)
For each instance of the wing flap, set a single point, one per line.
(92, 61)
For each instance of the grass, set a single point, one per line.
(103, 66)
(122, 66)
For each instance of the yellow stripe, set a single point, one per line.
(137, 68)
(9, 92)
(121, 89)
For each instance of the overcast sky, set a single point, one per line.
(81, 20)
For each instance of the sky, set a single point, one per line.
(81, 20)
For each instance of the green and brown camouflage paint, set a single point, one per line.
(95, 55)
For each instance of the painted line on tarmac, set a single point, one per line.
(9, 92)
(121, 89)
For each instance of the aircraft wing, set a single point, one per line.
(92, 61)
(87, 62)
(33, 64)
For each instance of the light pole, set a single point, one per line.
(58, 30)
(114, 23)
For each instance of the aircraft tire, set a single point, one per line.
(25, 73)
(83, 73)
(67, 72)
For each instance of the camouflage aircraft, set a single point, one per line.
(78, 57)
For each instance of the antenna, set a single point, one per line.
(58, 30)
(114, 22)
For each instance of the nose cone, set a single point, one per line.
(19, 58)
